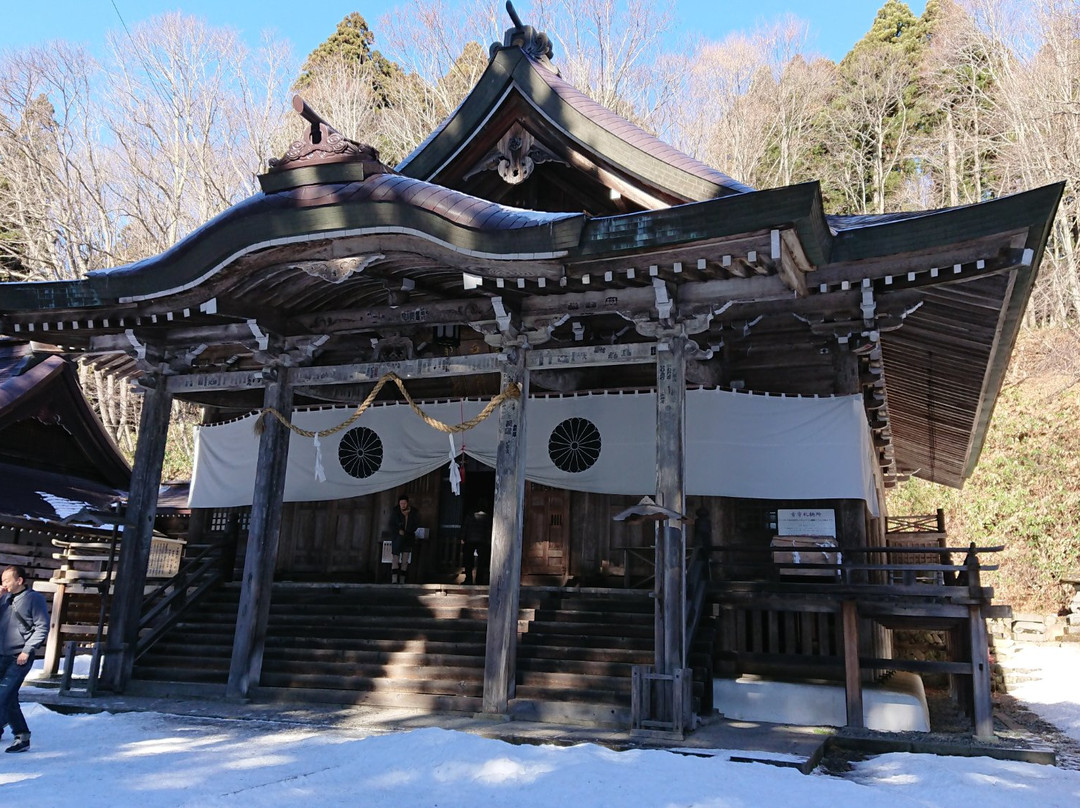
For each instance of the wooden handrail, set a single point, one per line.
(862, 548)
(163, 608)
(918, 523)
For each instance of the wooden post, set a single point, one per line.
(982, 701)
(138, 533)
(56, 620)
(504, 590)
(670, 492)
(264, 528)
(852, 679)
(846, 370)
(974, 579)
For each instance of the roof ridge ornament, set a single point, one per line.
(535, 44)
(323, 144)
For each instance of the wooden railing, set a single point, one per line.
(924, 523)
(163, 607)
(786, 621)
(851, 572)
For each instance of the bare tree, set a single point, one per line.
(793, 91)
(438, 69)
(55, 208)
(728, 126)
(869, 125)
(611, 50)
(1039, 100)
(175, 113)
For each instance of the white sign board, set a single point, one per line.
(806, 522)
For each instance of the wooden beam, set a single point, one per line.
(437, 367)
(260, 556)
(634, 353)
(791, 261)
(439, 312)
(504, 590)
(846, 365)
(624, 301)
(53, 650)
(997, 252)
(138, 533)
(343, 374)
(852, 678)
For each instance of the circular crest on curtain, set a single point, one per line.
(574, 445)
(360, 452)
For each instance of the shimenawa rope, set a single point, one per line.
(512, 390)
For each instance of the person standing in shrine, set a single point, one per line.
(403, 525)
(24, 625)
(477, 547)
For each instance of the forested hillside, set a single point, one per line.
(1025, 493)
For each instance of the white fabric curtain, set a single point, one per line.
(738, 445)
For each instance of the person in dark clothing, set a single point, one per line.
(477, 549)
(24, 625)
(403, 524)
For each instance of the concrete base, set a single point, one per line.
(896, 706)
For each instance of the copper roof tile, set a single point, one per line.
(635, 135)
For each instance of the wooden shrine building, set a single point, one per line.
(646, 326)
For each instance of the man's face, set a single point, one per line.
(403, 504)
(10, 582)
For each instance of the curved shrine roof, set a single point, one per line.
(603, 135)
(473, 228)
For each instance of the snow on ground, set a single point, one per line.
(150, 759)
(1055, 695)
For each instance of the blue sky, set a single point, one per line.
(835, 24)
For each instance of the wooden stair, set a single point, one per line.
(421, 647)
(575, 658)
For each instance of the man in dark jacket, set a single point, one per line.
(24, 625)
(477, 550)
(403, 524)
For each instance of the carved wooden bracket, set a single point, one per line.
(325, 144)
(515, 156)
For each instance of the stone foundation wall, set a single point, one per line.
(1024, 627)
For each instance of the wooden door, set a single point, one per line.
(329, 539)
(545, 546)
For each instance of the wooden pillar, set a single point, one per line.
(52, 643)
(670, 492)
(852, 678)
(846, 370)
(263, 531)
(504, 590)
(138, 533)
(982, 706)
